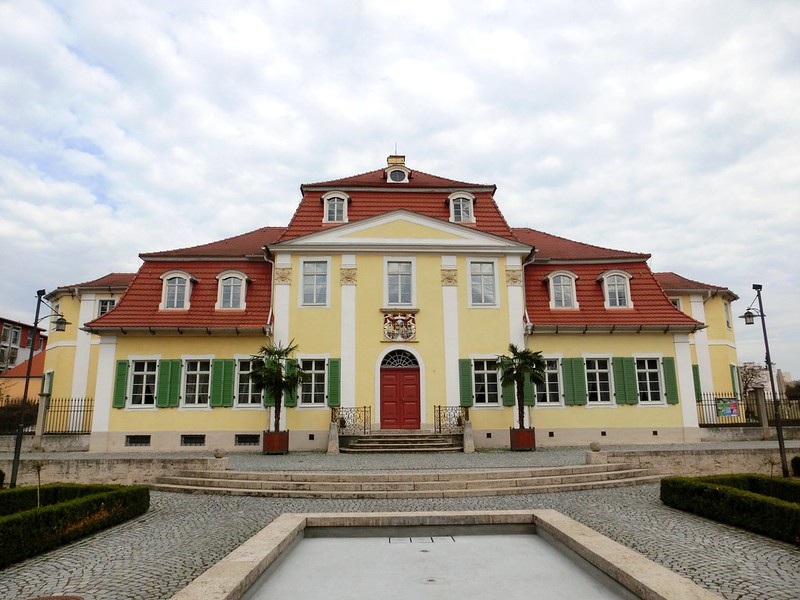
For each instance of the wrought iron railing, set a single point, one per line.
(789, 410)
(69, 415)
(10, 412)
(727, 410)
(352, 421)
(450, 419)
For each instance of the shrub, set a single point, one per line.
(68, 512)
(796, 466)
(760, 504)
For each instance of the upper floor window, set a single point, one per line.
(676, 302)
(461, 207)
(397, 174)
(335, 207)
(399, 282)
(177, 289)
(482, 283)
(727, 308)
(105, 305)
(314, 288)
(562, 290)
(16, 335)
(231, 290)
(616, 289)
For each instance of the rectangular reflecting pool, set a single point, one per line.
(508, 554)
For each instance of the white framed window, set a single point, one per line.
(314, 288)
(196, 382)
(143, 374)
(399, 289)
(16, 335)
(397, 174)
(7, 333)
(486, 382)
(562, 289)
(617, 289)
(231, 291)
(246, 393)
(676, 302)
(313, 387)
(335, 207)
(727, 308)
(177, 290)
(104, 305)
(598, 380)
(483, 282)
(462, 206)
(549, 392)
(649, 381)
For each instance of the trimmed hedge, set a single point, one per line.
(68, 512)
(757, 503)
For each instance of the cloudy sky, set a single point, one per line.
(664, 127)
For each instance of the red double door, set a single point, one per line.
(399, 398)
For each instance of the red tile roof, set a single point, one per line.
(553, 247)
(138, 308)
(377, 178)
(246, 244)
(37, 367)
(651, 307)
(112, 280)
(674, 283)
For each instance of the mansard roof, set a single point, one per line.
(672, 283)
(551, 247)
(115, 281)
(377, 179)
(245, 244)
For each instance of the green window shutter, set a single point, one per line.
(222, 382)
(120, 384)
(529, 393)
(698, 389)
(334, 381)
(290, 398)
(507, 394)
(169, 383)
(625, 388)
(465, 381)
(574, 381)
(670, 380)
(269, 399)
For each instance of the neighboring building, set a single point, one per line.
(400, 289)
(70, 370)
(12, 382)
(15, 343)
(714, 358)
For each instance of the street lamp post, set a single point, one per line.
(60, 325)
(749, 319)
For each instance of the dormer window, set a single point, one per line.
(616, 289)
(562, 289)
(177, 289)
(461, 207)
(231, 291)
(335, 207)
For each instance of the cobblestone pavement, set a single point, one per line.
(153, 556)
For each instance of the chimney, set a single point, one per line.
(396, 159)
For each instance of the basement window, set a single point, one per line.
(247, 439)
(137, 440)
(193, 440)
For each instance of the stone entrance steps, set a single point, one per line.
(402, 441)
(405, 484)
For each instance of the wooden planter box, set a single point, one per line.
(523, 439)
(276, 442)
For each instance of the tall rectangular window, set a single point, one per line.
(648, 379)
(482, 283)
(486, 382)
(197, 383)
(315, 282)
(562, 292)
(462, 210)
(617, 290)
(246, 393)
(312, 389)
(143, 382)
(598, 380)
(176, 292)
(16, 335)
(231, 292)
(549, 391)
(335, 210)
(399, 282)
(103, 306)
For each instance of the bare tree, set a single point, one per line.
(751, 375)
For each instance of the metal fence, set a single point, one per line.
(352, 421)
(450, 419)
(732, 410)
(63, 415)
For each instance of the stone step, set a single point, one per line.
(402, 441)
(407, 484)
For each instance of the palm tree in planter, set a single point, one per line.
(277, 373)
(521, 368)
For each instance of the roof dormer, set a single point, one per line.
(396, 170)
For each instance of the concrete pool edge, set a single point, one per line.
(230, 578)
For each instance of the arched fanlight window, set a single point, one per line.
(399, 358)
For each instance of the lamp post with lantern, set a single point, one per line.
(749, 318)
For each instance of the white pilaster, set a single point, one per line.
(281, 297)
(450, 333)
(83, 347)
(701, 348)
(516, 301)
(348, 336)
(104, 393)
(683, 367)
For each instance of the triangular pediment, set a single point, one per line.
(401, 229)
